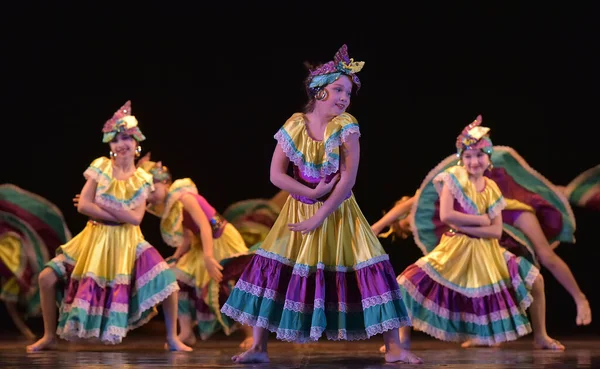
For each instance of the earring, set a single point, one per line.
(112, 154)
(138, 151)
(491, 166)
(459, 163)
(322, 94)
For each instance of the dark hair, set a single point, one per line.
(310, 92)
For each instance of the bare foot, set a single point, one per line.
(44, 343)
(251, 356)
(548, 343)
(175, 344)
(404, 356)
(471, 343)
(189, 339)
(584, 313)
(247, 343)
(404, 346)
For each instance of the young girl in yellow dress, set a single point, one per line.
(111, 279)
(536, 220)
(469, 288)
(320, 270)
(204, 240)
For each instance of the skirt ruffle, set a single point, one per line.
(336, 280)
(487, 315)
(109, 287)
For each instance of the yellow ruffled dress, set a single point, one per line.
(201, 297)
(112, 278)
(469, 288)
(336, 279)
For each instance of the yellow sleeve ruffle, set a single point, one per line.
(315, 159)
(171, 224)
(119, 194)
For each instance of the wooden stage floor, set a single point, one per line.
(143, 348)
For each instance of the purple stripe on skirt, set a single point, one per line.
(330, 286)
(88, 290)
(455, 301)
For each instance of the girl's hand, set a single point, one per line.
(485, 220)
(213, 268)
(172, 260)
(307, 225)
(323, 188)
(76, 200)
(376, 229)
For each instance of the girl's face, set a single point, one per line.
(123, 145)
(159, 194)
(338, 96)
(475, 162)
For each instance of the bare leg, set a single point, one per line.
(258, 352)
(249, 340)
(529, 225)
(394, 351)
(404, 335)
(47, 283)
(170, 311)
(186, 330)
(537, 310)
(11, 308)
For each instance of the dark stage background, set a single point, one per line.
(211, 84)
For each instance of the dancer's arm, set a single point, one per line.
(133, 216)
(185, 246)
(491, 231)
(349, 159)
(450, 216)
(87, 206)
(206, 236)
(280, 178)
(393, 215)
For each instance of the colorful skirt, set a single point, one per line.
(584, 190)
(252, 218)
(524, 189)
(201, 297)
(16, 272)
(31, 228)
(113, 280)
(469, 289)
(16, 276)
(335, 280)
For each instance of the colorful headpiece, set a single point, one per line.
(122, 122)
(331, 71)
(159, 172)
(474, 136)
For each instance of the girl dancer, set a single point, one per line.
(320, 269)
(468, 288)
(111, 278)
(204, 240)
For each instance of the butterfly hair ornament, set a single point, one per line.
(122, 122)
(329, 72)
(473, 137)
